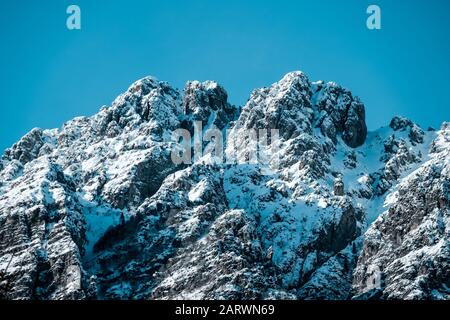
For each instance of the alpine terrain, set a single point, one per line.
(98, 209)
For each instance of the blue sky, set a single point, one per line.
(50, 74)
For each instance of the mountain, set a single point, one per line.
(99, 209)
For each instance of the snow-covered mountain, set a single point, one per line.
(98, 209)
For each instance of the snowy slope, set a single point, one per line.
(98, 210)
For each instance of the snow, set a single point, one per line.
(98, 221)
(210, 85)
(197, 191)
(289, 206)
(322, 203)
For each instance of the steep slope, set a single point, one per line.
(407, 249)
(322, 210)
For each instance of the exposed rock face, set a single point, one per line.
(97, 209)
(338, 187)
(340, 112)
(27, 148)
(208, 102)
(286, 105)
(62, 188)
(295, 106)
(409, 244)
(41, 236)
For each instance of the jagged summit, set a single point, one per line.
(295, 105)
(98, 210)
(208, 102)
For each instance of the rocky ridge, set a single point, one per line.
(97, 209)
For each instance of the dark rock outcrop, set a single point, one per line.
(98, 210)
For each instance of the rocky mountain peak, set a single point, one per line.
(98, 210)
(293, 81)
(146, 100)
(295, 105)
(208, 102)
(27, 148)
(338, 112)
(415, 133)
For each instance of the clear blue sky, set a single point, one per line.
(50, 74)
